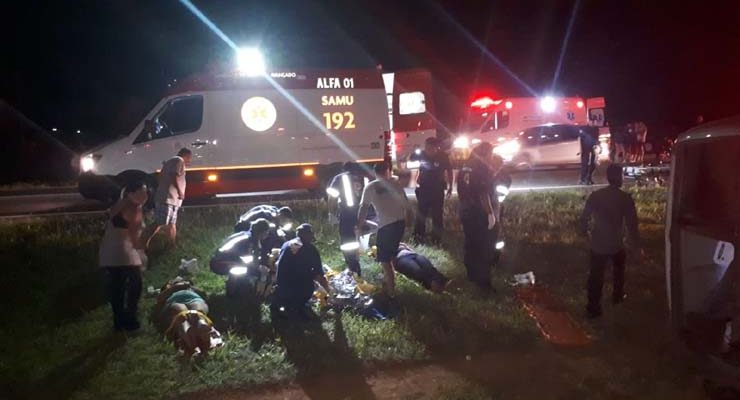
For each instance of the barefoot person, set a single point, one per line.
(170, 194)
(121, 256)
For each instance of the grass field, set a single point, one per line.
(57, 339)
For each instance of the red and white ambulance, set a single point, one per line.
(535, 130)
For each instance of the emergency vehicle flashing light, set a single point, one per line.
(579, 104)
(461, 142)
(249, 62)
(484, 102)
(509, 105)
(548, 104)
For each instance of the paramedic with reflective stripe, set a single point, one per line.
(344, 200)
(240, 247)
(435, 176)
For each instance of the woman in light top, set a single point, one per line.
(122, 257)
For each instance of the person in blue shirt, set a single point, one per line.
(435, 177)
(298, 267)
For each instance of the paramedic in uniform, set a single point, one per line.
(611, 209)
(477, 215)
(281, 225)
(435, 176)
(241, 244)
(170, 194)
(588, 137)
(392, 207)
(344, 200)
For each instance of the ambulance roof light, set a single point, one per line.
(249, 62)
(484, 102)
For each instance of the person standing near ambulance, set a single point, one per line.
(388, 198)
(344, 193)
(170, 194)
(435, 177)
(477, 214)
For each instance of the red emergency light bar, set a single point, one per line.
(484, 102)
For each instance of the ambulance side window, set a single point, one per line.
(499, 120)
(177, 117)
(411, 103)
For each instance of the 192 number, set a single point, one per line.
(339, 120)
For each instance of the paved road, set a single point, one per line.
(36, 204)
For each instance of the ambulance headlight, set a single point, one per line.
(507, 150)
(87, 163)
(461, 142)
(238, 271)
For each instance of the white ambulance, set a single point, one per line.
(532, 130)
(282, 130)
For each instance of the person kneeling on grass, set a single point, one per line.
(298, 266)
(418, 268)
(182, 312)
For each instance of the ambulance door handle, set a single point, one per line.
(198, 143)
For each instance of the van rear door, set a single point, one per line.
(413, 109)
(703, 223)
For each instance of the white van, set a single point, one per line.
(285, 130)
(701, 238)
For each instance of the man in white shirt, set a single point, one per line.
(389, 200)
(170, 194)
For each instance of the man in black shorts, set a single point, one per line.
(389, 200)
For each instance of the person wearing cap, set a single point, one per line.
(612, 210)
(435, 177)
(298, 267)
(234, 250)
(388, 198)
(344, 193)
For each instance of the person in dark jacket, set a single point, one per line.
(435, 177)
(298, 267)
(419, 268)
(611, 210)
(588, 136)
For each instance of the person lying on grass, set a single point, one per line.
(182, 313)
(419, 269)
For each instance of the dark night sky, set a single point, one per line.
(99, 65)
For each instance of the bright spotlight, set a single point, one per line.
(547, 104)
(249, 62)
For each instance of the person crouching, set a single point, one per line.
(298, 266)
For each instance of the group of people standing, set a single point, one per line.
(629, 143)
(479, 210)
